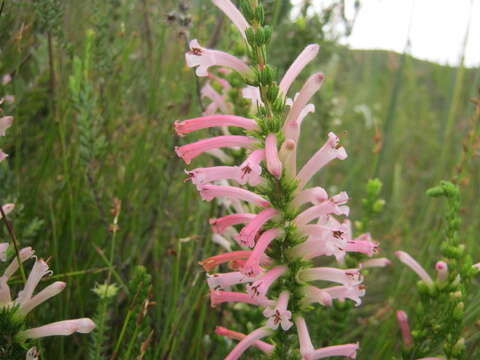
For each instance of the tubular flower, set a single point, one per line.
(402, 320)
(278, 223)
(27, 300)
(261, 345)
(310, 353)
(414, 265)
(203, 59)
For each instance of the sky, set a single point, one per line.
(437, 28)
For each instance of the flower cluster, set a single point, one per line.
(284, 224)
(440, 312)
(13, 311)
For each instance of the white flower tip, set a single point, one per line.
(194, 44)
(341, 153)
(85, 325)
(60, 285)
(32, 354)
(313, 49)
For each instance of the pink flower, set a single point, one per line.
(249, 233)
(312, 85)
(7, 209)
(233, 14)
(442, 270)
(203, 58)
(347, 277)
(315, 196)
(5, 123)
(331, 150)
(378, 262)
(210, 263)
(367, 246)
(24, 254)
(191, 151)
(259, 288)
(218, 100)
(347, 292)
(415, 266)
(321, 211)
(252, 93)
(50, 291)
(3, 156)
(219, 297)
(305, 57)
(347, 350)
(39, 270)
(402, 319)
(324, 240)
(274, 165)
(3, 251)
(202, 176)
(60, 328)
(263, 346)
(208, 192)
(220, 224)
(251, 169)
(279, 315)
(220, 155)
(309, 353)
(312, 294)
(248, 341)
(292, 129)
(222, 241)
(252, 266)
(224, 83)
(225, 280)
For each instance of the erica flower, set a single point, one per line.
(28, 299)
(278, 223)
(305, 57)
(402, 320)
(5, 123)
(279, 315)
(263, 346)
(310, 353)
(203, 59)
(415, 266)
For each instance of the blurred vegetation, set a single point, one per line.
(98, 85)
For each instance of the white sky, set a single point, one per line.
(437, 33)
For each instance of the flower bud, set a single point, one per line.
(378, 205)
(250, 34)
(459, 347)
(259, 37)
(268, 33)
(374, 186)
(459, 311)
(247, 10)
(272, 93)
(260, 14)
